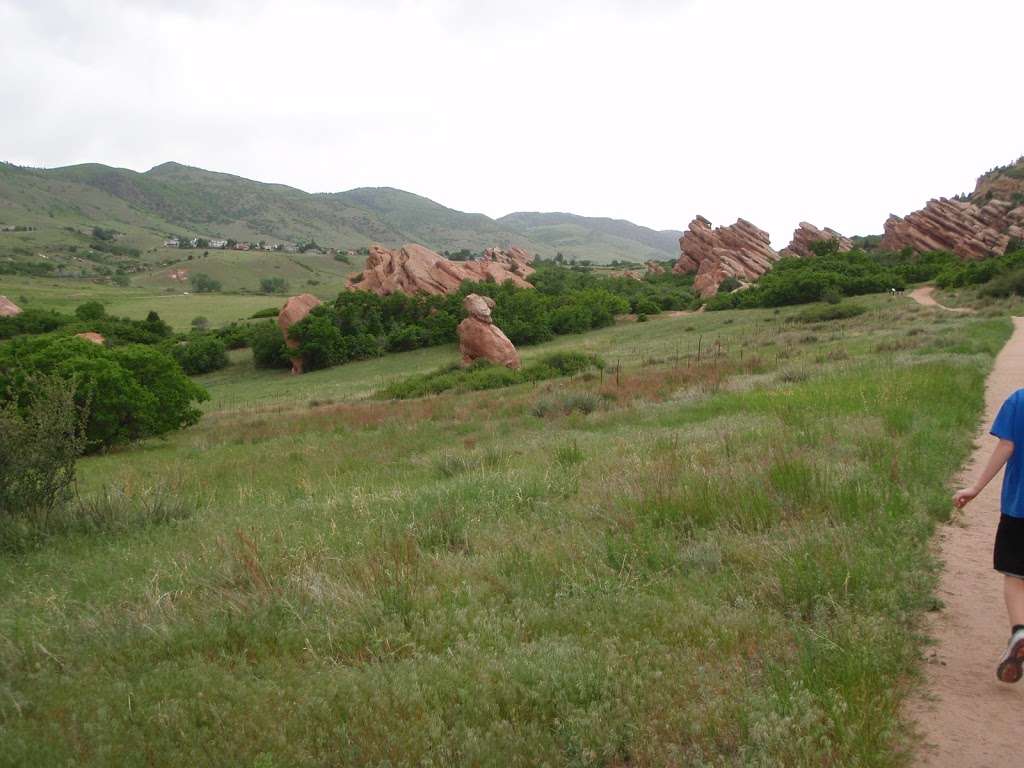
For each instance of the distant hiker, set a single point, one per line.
(1008, 557)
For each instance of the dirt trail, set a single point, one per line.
(967, 718)
(923, 296)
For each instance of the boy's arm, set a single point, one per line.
(1001, 454)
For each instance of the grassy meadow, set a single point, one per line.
(693, 559)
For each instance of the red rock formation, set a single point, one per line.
(92, 336)
(479, 337)
(806, 234)
(294, 310)
(741, 250)
(8, 308)
(414, 269)
(654, 268)
(960, 227)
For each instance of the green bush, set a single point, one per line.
(820, 313)
(91, 310)
(268, 347)
(268, 312)
(131, 392)
(200, 354)
(483, 375)
(203, 283)
(273, 285)
(1006, 284)
(42, 438)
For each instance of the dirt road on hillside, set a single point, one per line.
(923, 296)
(969, 719)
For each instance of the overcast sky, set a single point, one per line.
(833, 111)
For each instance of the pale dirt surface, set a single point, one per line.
(966, 717)
(923, 296)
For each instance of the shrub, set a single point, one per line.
(268, 347)
(273, 285)
(823, 312)
(203, 283)
(484, 375)
(201, 354)
(91, 310)
(131, 392)
(1007, 284)
(579, 402)
(42, 438)
(268, 312)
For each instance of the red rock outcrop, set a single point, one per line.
(741, 250)
(654, 268)
(969, 231)
(8, 308)
(294, 310)
(92, 336)
(414, 269)
(1006, 183)
(479, 337)
(806, 234)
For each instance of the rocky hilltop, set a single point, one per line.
(415, 269)
(805, 235)
(1006, 183)
(740, 250)
(969, 231)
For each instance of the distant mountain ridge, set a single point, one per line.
(172, 197)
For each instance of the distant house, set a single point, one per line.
(242, 246)
(292, 248)
(218, 243)
(172, 243)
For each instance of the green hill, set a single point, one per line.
(173, 198)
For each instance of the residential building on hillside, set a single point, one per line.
(218, 243)
(172, 243)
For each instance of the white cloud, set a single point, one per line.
(834, 112)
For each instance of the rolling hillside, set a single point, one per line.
(174, 198)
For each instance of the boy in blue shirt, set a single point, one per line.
(1008, 557)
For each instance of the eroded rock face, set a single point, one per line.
(414, 269)
(740, 250)
(654, 268)
(92, 336)
(8, 308)
(969, 231)
(806, 234)
(480, 338)
(294, 310)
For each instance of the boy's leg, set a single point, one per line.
(1011, 665)
(1013, 592)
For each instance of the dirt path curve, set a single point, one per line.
(967, 718)
(923, 296)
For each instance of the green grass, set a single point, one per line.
(723, 563)
(175, 308)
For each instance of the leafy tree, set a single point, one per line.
(273, 285)
(91, 310)
(203, 283)
(131, 392)
(201, 354)
(200, 323)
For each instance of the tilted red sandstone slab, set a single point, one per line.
(740, 250)
(807, 234)
(969, 231)
(415, 269)
(8, 308)
(294, 310)
(480, 338)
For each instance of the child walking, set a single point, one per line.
(1008, 556)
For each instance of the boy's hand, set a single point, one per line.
(960, 498)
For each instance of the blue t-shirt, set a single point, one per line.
(1009, 425)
